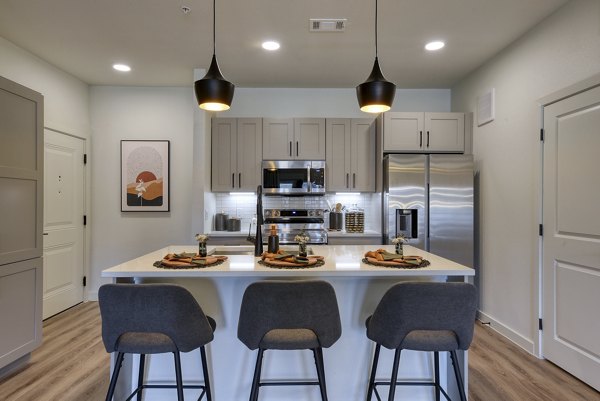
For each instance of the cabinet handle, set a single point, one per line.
(240, 180)
(290, 148)
(297, 146)
(420, 139)
(347, 180)
(353, 180)
(232, 180)
(427, 138)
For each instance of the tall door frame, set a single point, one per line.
(592, 82)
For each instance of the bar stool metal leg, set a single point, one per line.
(394, 375)
(141, 377)
(178, 378)
(205, 372)
(256, 379)
(436, 363)
(459, 382)
(115, 376)
(373, 372)
(318, 354)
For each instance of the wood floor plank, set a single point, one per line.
(72, 365)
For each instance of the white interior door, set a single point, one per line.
(571, 241)
(63, 222)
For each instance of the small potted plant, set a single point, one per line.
(399, 241)
(202, 238)
(302, 239)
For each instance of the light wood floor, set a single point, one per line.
(72, 365)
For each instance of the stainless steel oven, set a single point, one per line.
(293, 177)
(291, 222)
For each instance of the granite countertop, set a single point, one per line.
(340, 261)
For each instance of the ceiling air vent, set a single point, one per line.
(327, 24)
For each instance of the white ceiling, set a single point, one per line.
(163, 45)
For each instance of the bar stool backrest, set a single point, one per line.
(152, 308)
(412, 306)
(269, 305)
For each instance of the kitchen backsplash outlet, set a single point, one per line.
(244, 206)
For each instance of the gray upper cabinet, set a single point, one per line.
(424, 132)
(236, 154)
(350, 145)
(21, 172)
(294, 139)
(21, 220)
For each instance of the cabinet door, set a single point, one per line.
(309, 134)
(362, 155)
(402, 132)
(249, 153)
(20, 309)
(337, 146)
(444, 132)
(224, 151)
(21, 172)
(278, 139)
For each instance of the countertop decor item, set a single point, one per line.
(283, 260)
(145, 176)
(399, 241)
(381, 257)
(302, 239)
(214, 92)
(202, 238)
(188, 261)
(376, 94)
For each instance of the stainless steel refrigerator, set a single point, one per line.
(429, 199)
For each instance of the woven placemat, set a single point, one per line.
(320, 262)
(408, 262)
(188, 261)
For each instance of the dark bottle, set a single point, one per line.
(273, 241)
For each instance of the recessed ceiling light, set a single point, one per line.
(122, 67)
(432, 46)
(270, 45)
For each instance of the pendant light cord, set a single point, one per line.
(215, 29)
(376, 29)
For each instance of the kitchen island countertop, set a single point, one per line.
(340, 261)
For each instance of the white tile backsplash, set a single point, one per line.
(244, 206)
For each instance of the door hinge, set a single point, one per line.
(85, 158)
(84, 281)
(542, 134)
(541, 230)
(540, 326)
(84, 220)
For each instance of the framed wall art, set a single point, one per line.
(145, 176)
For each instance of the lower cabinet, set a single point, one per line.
(20, 309)
(352, 240)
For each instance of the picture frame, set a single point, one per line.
(145, 170)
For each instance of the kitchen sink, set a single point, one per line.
(249, 250)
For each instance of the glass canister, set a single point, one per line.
(355, 220)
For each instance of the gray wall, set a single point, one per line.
(562, 50)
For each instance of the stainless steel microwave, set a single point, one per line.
(293, 177)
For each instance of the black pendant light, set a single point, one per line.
(376, 94)
(213, 92)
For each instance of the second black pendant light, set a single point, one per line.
(214, 92)
(376, 94)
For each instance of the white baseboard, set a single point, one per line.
(523, 342)
(92, 296)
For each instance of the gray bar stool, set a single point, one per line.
(152, 319)
(423, 316)
(289, 315)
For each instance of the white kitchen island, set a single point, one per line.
(219, 290)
